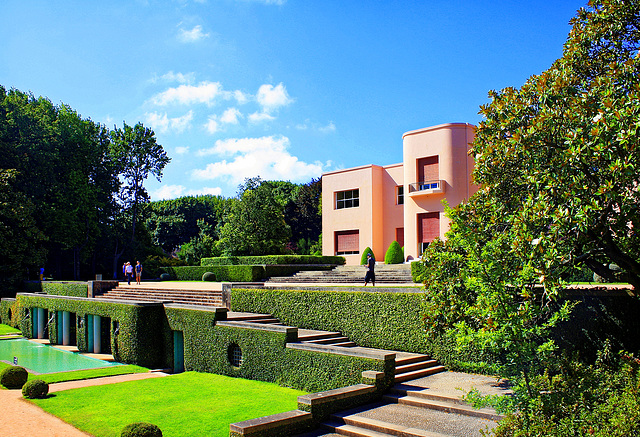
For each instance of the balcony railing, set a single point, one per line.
(426, 187)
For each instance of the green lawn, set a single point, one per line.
(6, 329)
(187, 404)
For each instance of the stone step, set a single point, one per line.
(419, 373)
(446, 406)
(318, 335)
(430, 394)
(329, 340)
(247, 317)
(353, 431)
(417, 365)
(363, 426)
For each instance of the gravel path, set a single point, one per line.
(21, 418)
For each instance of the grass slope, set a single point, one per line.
(6, 329)
(183, 405)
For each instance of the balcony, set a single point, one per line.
(426, 187)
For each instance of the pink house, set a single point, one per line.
(372, 205)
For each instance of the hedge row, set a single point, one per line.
(272, 259)
(418, 270)
(239, 273)
(230, 273)
(137, 342)
(264, 353)
(67, 288)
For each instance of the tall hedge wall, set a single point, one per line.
(65, 288)
(139, 338)
(272, 259)
(264, 352)
(230, 273)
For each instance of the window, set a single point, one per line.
(348, 199)
(347, 242)
(400, 195)
(428, 229)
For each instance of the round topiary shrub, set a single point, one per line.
(394, 254)
(13, 377)
(165, 277)
(209, 277)
(35, 389)
(141, 429)
(363, 258)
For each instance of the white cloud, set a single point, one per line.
(175, 191)
(267, 157)
(328, 128)
(231, 116)
(178, 77)
(257, 117)
(194, 35)
(212, 125)
(205, 92)
(162, 123)
(272, 98)
(181, 150)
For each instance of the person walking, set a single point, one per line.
(138, 272)
(371, 275)
(129, 269)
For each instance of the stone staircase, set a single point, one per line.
(408, 365)
(385, 274)
(428, 407)
(181, 296)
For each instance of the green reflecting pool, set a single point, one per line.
(39, 358)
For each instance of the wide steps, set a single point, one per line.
(387, 274)
(188, 297)
(447, 405)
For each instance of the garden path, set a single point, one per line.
(21, 418)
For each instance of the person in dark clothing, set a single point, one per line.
(371, 275)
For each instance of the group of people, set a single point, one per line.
(128, 269)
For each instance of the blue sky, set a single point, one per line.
(281, 89)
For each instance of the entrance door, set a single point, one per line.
(178, 352)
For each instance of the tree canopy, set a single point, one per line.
(558, 163)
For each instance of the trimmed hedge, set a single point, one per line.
(139, 338)
(141, 429)
(363, 258)
(65, 288)
(418, 270)
(264, 353)
(35, 389)
(13, 377)
(394, 254)
(6, 312)
(272, 259)
(230, 273)
(391, 321)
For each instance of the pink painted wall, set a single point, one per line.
(450, 142)
(378, 215)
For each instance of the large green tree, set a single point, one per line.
(254, 223)
(139, 156)
(558, 162)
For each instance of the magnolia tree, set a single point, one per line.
(558, 161)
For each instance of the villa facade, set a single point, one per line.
(371, 206)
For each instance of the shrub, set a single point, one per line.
(363, 259)
(209, 277)
(35, 389)
(141, 429)
(394, 254)
(165, 277)
(13, 377)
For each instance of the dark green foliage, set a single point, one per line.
(209, 277)
(77, 289)
(418, 270)
(141, 429)
(264, 353)
(379, 320)
(139, 339)
(254, 223)
(152, 266)
(363, 258)
(13, 377)
(165, 277)
(35, 389)
(223, 273)
(394, 254)
(272, 259)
